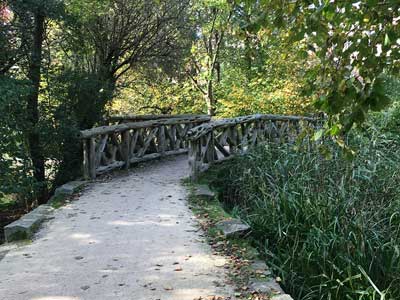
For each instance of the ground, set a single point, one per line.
(132, 237)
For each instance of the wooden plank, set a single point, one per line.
(104, 169)
(147, 141)
(133, 142)
(221, 149)
(152, 156)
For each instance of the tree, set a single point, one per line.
(204, 67)
(109, 38)
(355, 44)
(29, 18)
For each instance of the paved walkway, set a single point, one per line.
(132, 237)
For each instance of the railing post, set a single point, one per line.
(86, 165)
(210, 147)
(92, 158)
(126, 142)
(194, 154)
(161, 140)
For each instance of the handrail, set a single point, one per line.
(109, 147)
(84, 134)
(219, 140)
(139, 118)
(203, 129)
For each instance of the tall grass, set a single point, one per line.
(330, 228)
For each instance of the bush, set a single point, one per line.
(330, 228)
(15, 165)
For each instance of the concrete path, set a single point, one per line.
(132, 237)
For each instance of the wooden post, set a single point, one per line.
(193, 158)
(173, 138)
(161, 140)
(86, 165)
(126, 142)
(92, 158)
(210, 147)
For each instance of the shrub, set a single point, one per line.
(16, 181)
(330, 228)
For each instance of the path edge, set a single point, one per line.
(26, 226)
(257, 279)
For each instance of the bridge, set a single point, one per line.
(141, 138)
(132, 235)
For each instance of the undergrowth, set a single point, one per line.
(329, 227)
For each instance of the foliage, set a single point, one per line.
(71, 57)
(15, 166)
(230, 69)
(329, 227)
(156, 94)
(112, 37)
(355, 43)
(269, 81)
(211, 20)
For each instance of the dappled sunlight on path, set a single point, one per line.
(132, 237)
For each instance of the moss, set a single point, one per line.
(17, 236)
(58, 200)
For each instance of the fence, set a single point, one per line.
(109, 147)
(219, 140)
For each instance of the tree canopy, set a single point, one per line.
(67, 64)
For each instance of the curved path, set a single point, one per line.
(132, 237)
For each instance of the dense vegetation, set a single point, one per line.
(329, 226)
(66, 65)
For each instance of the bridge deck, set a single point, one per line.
(122, 239)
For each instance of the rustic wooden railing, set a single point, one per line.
(220, 140)
(109, 147)
(119, 119)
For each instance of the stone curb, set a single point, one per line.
(204, 192)
(266, 285)
(25, 227)
(69, 188)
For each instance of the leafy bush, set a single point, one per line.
(330, 228)
(15, 165)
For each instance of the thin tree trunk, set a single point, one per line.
(248, 58)
(36, 152)
(210, 99)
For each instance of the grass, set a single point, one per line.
(330, 228)
(7, 202)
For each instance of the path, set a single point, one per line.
(129, 238)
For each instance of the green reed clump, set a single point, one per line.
(330, 228)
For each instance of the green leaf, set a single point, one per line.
(387, 40)
(318, 135)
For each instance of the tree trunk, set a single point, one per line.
(36, 152)
(248, 58)
(210, 99)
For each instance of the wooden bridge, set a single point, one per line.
(132, 139)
